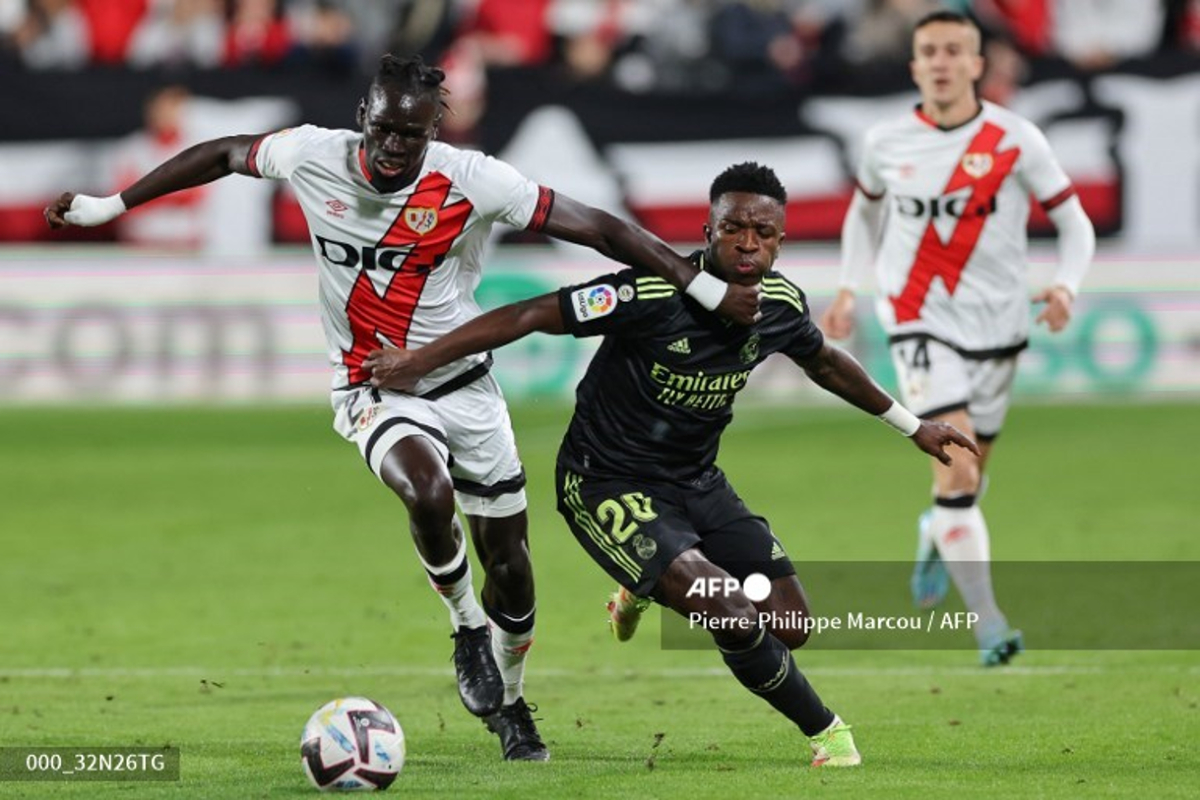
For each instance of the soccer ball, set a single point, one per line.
(352, 744)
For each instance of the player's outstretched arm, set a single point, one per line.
(203, 163)
(392, 368)
(575, 222)
(838, 372)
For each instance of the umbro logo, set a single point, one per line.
(681, 346)
(336, 208)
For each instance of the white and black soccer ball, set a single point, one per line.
(352, 744)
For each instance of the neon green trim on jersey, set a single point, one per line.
(784, 297)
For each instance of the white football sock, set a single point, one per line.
(962, 540)
(510, 650)
(458, 595)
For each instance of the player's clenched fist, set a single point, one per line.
(83, 210)
(740, 304)
(838, 320)
(54, 212)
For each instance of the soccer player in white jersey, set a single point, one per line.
(398, 224)
(941, 212)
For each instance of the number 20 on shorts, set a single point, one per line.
(613, 515)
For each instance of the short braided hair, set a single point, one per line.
(412, 76)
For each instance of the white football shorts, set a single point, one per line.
(469, 427)
(936, 379)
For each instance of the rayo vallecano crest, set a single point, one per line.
(977, 164)
(421, 220)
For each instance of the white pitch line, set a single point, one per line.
(218, 673)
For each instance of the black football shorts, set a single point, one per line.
(635, 528)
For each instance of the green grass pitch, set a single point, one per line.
(208, 578)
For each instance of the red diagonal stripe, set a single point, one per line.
(391, 315)
(934, 259)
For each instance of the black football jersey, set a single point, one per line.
(659, 392)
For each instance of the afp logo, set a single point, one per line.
(756, 587)
(937, 207)
(344, 254)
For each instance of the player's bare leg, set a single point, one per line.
(787, 597)
(960, 533)
(417, 473)
(509, 601)
(757, 658)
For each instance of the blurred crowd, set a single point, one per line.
(641, 45)
(701, 48)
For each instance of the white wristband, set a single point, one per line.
(901, 419)
(87, 211)
(707, 290)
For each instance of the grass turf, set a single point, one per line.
(207, 578)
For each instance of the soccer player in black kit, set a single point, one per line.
(636, 475)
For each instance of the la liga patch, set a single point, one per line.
(593, 302)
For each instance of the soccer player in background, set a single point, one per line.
(399, 223)
(941, 211)
(636, 476)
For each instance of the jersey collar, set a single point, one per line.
(365, 171)
(362, 163)
(921, 115)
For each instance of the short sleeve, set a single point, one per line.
(1039, 171)
(869, 178)
(277, 155)
(614, 304)
(806, 338)
(501, 193)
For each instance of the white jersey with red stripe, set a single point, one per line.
(952, 262)
(396, 269)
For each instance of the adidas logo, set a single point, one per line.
(777, 552)
(680, 346)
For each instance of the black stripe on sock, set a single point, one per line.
(507, 623)
(962, 501)
(453, 576)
